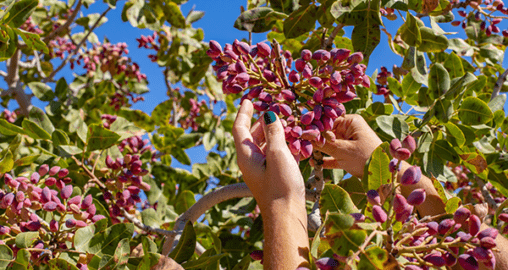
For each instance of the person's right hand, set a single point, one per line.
(354, 144)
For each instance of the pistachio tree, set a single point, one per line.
(90, 183)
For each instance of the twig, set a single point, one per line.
(12, 80)
(486, 194)
(217, 196)
(66, 24)
(318, 171)
(3, 73)
(314, 218)
(499, 84)
(96, 161)
(78, 47)
(332, 36)
(278, 64)
(145, 227)
(90, 174)
(38, 64)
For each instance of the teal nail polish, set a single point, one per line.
(269, 117)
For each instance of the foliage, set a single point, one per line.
(88, 181)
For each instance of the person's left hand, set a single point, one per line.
(269, 169)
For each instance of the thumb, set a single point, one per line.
(274, 132)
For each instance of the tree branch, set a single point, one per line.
(486, 194)
(499, 84)
(15, 86)
(332, 36)
(145, 227)
(65, 25)
(217, 196)
(68, 58)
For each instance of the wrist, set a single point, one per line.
(280, 208)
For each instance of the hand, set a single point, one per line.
(354, 144)
(272, 174)
(269, 169)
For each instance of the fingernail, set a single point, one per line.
(269, 117)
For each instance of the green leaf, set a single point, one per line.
(432, 42)
(300, 22)
(492, 53)
(26, 239)
(38, 116)
(474, 111)
(162, 113)
(185, 247)
(440, 190)
(452, 205)
(348, 241)
(122, 252)
(454, 135)
(445, 151)
(378, 169)
(5, 256)
(150, 217)
(204, 261)
(394, 86)
(432, 163)
(82, 238)
(22, 260)
(194, 16)
(34, 131)
(7, 162)
(373, 258)
(174, 15)
(410, 31)
(41, 91)
(61, 88)
(255, 20)
(184, 201)
(20, 12)
(393, 126)
(454, 65)
(180, 155)
(366, 36)
(243, 264)
(59, 138)
(439, 81)
(9, 42)
(125, 128)
(100, 138)
(443, 110)
(58, 263)
(9, 129)
(148, 245)
(26, 160)
(409, 85)
(69, 150)
(338, 222)
(335, 200)
(459, 84)
(105, 243)
(33, 41)
(497, 103)
(139, 118)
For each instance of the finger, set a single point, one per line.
(274, 132)
(339, 149)
(257, 132)
(241, 130)
(328, 163)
